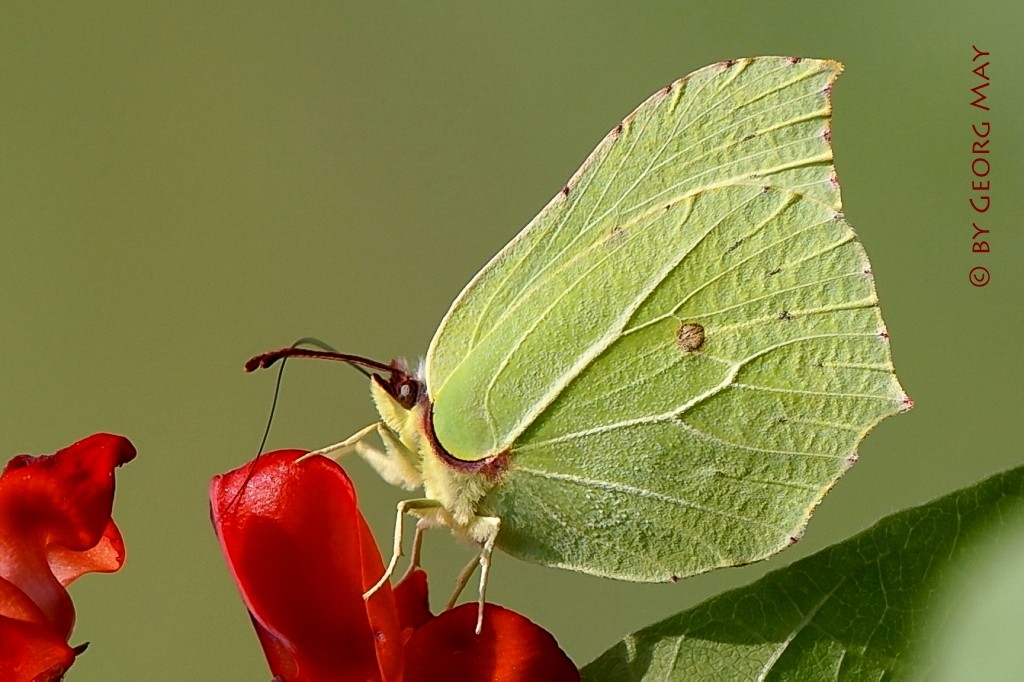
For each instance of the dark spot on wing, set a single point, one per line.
(616, 235)
(690, 337)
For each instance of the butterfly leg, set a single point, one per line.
(397, 465)
(462, 580)
(415, 507)
(414, 557)
(483, 530)
(346, 446)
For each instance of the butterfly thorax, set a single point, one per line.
(458, 485)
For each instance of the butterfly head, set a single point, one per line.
(400, 384)
(400, 397)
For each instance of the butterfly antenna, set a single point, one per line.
(284, 354)
(327, 348)
(323, 352)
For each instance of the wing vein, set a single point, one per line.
(624, 488)
(590, 221)
(768, 451)
(829, 394)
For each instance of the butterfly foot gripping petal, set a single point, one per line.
(416, 508)
(484, 531)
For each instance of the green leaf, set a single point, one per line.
(858, 610)
(978, 635)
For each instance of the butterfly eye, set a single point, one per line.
(408, 393)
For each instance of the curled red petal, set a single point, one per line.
(302, 555)
(106, 556)
(510, 648)
(55, 522)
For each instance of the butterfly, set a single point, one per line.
(670, 365)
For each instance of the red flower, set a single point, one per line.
(302, 556)
(55, 525)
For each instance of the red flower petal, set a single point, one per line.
(55, 525)
(302, 555)
(412, 599)
(510, 648)
(29, 651)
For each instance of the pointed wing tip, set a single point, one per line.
(834, 65)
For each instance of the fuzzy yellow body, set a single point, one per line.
(412, 462)
(450, 496)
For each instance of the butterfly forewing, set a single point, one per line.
(758, 122)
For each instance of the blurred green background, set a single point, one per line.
(183, 186)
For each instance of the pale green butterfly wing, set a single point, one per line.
(634, 453)
(500, 354)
